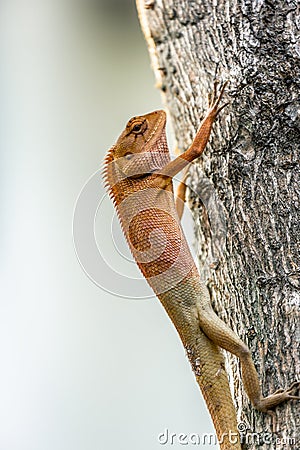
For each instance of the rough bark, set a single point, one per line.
(248, 179)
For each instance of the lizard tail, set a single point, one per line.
(208, 365)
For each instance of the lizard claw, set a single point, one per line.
(285, 394)
(279, 391)
(214, 99)
(294, 387)
(289, 393)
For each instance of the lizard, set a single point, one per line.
(138, 173)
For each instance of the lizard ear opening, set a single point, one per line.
(128, 156)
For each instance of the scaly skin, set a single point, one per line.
(139, 175)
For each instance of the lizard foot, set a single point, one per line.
(278, 397)
(265, 404)
(288, 393)
(214, 99)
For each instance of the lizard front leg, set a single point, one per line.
(165, 175)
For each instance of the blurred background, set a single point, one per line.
(81, 369)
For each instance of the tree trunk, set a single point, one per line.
(247, 220)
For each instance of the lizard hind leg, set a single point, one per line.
(225, 338)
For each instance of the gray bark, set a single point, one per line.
(245, 189)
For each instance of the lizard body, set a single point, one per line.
(139, 173)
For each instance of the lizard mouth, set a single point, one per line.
(140, 165)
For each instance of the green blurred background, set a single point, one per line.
(80, 369)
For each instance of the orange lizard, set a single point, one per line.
(139, 173)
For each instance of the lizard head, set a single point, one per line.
(141, 148)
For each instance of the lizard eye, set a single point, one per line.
(128, 156)
(137, 126)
